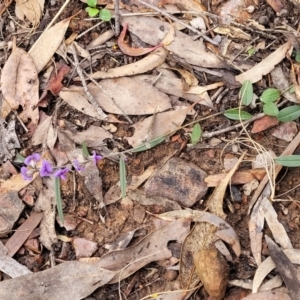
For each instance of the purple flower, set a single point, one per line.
(77, 165)
(26, 174)
(46, 169)
(61, 173)
(95, 157)
(31, 160)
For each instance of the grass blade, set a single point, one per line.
(58, 198)
(123, 182)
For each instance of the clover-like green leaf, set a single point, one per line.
(92, 11)
(270, 95)
(235, 114)
(196, 134)
(270, 109)
(105, 15)
(289, 113)
(91, 3)
(246, 92)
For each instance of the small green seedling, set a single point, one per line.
(93, 11)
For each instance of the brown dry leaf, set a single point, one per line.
(157, 125)
(286, 131)
(256, 225)
(268, 265)
(281, 81)
(277, 5)
(150, 62)
(233, 32)
(189, 78)
(280, 235)
(201, 89)
(10, 266)
(285, 268)
(224, 230)
(240, 177)
(20, 84)
(264, 123)
(133, 97)
(265, 66)
(185, 5)
(151, 248)
(47, 204)
(31, 9)
(55, 85)
(152, 31)
(268, 295)
(74, 97)
(174, 86)
(70, 280)
(94, 136)
(47, 44)
(22, 233)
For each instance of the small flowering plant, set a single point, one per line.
(34, 164)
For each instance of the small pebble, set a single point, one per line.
(250, 9)
(263, 20)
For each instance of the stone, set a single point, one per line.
(180, 181)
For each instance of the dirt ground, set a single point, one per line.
(78, 201)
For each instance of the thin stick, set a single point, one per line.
(58, 14)
(211, 134)
(117, 17)
(88, 93)
(91, 28)
(179, 21)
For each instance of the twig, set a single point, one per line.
(58, 14)
(179, 21)
(117, 18)
(222, 95)
(91, 28)
(88, 93)
(106, 93)
(233, 127)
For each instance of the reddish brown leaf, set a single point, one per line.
(264, 123)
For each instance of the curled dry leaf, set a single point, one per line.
(265, 66)
(32, 9)
(150, 62)
(268, 265)
(132, 51)
(224, 230)
(269, 295)
(20, 84)
(44, 48)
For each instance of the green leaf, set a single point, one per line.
(105, 15)
(92, 11)
(251, 51)
(270, 95)
(19, 158)
(246, 92)
(234, 114)
(289, 113)
(58, 198)
(91, 3)
(122, 170)
(288, 161)
(196, 134)
(85, 150)
(149, 145)
(297, 56)
(270, 109)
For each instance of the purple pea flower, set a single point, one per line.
(26, 174)
(77, 165)
(61, 173)
(95, 157)
(46, 169)
(32, 159)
